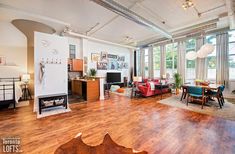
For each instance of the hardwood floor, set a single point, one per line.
(142, 124)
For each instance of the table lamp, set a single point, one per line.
(25, 78)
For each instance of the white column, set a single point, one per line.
(101, 88)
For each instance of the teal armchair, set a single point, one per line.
(196, 94)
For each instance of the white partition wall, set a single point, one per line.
(52, 51)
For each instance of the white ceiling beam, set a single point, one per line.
(98, 40)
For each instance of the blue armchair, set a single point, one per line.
(218, 94)
(196, 93)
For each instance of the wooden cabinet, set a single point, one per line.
(88, 89)
(76, 65)
(76, 87)
(93, 90)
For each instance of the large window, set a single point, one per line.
(211, 58)
(156, 61)
(171, 59)
(190, 64)
(232, 55)
(146, 62)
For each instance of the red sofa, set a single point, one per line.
(146, 91)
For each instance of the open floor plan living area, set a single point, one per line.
(117, 76)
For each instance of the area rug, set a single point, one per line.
(127, 92)
(52, 111)
(19, 104)
(210, 108)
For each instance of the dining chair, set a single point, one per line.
(184, 93)
(196, 93)
(218, 94)
(221, 94)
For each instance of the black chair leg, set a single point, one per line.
(182, 96)
(219, 103)
(185, 94)
(222, 98)
(187, 100)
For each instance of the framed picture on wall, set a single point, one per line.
(111, 56)
(104, 56)
(113, 64)
(102, 65)
(121, 58)
(95, 57)
(2, 60)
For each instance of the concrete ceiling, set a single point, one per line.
(87, 17)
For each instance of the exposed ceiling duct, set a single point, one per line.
(125, 12)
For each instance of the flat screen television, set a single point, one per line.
(113, 77)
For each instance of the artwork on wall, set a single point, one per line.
(45, 43)
(54, 51)
(104, 56)
(2, 60)
(95, 57)
(121, 58)
(105, 61)
(102, 65)
(113, 64)
(111, 56)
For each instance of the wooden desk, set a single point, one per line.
(88, 89)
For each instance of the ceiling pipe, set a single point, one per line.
(98, 40)
(127, 13)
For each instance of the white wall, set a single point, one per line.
(56, 75)
(89, 47)
(13, 46)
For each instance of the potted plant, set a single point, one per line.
(93, 73)
(178, 82)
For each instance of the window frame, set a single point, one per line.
(230, 55)
(158, 61)
(193, 61)
(172, 60)
(210, 56)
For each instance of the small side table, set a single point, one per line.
(25, 92)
